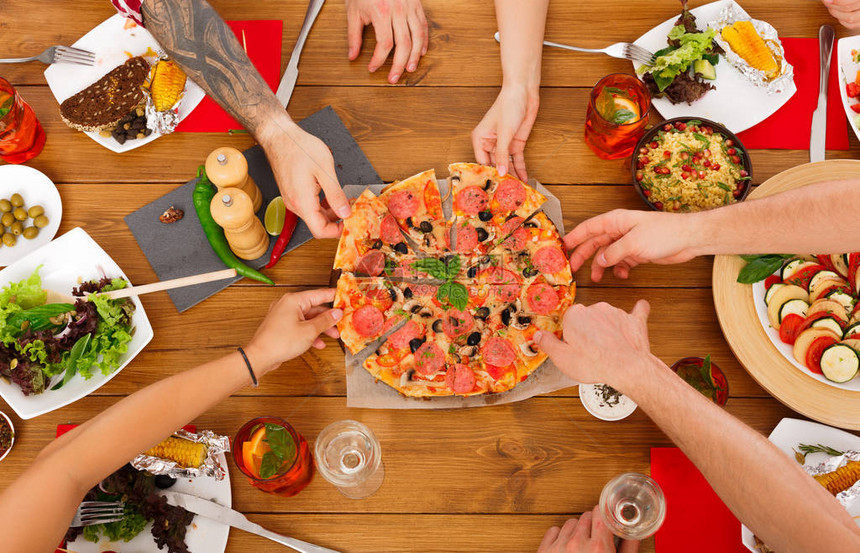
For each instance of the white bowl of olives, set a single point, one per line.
(30, 211)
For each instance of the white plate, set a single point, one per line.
(736, 103)
(113, 45)
(64, 261)
(787, 350)
(791, 432)
(36, 189)
(204, 535)
(847, 73)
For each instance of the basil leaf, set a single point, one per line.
(760, 268)
(39, 317)
(434, 267)
(622, 116)
(458, 295)
(443, 292)
(75, 354)
(614, 90)
(6, 107)
(453, 267)
(280, 442)
(270, 465)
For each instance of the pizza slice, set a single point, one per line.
(535, 248)
(371, 238)
(417, 207)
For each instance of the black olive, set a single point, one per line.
(472, 272)
(377, 244)
(415, 343)
(512, 307)
(530, 224)
(485, 216)
(506, 317)
(425, 227)
(482, 313)
(415, 308)
(529, 272)
(437, 325)
(482, 234)
(401, 247)
(407, 292)
(164, 481)
(485, 260)
(409, 222)
(426, 314)
(488, 184)
(455, 178)
(523, 320)
(392, 293)
(474, 339)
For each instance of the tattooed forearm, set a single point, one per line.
(196, 37)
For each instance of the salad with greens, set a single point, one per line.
(680, 70)
(44, 345)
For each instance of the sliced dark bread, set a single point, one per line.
(105, 102)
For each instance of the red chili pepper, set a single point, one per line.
(290, 221)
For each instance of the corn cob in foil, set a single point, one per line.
(168, 82)
(185, 453)
(748, 44)
(840, 479)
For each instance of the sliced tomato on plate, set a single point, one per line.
(807, 322)
(816, 349)
(802, 277)
(790, 328)
(771, 280)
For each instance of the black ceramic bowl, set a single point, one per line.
(744, 187)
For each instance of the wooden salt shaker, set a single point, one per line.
(228, 168)
(233, 210)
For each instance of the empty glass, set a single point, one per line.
(348, 455)
(633, 506)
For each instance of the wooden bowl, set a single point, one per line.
(746, 336)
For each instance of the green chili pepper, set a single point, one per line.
(203, 194)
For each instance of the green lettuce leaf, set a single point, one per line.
(693, 46)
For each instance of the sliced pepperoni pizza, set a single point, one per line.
(417, 207)
(535, 248)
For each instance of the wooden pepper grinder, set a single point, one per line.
(228, 168)
(233, 210)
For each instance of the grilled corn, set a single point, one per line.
(748, 44)
(168, 82)
(185, 453)
(840, 479)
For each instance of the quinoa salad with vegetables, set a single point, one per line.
(690, 167)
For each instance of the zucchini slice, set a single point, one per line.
(795, 306)
(793, 266)
(839, 363)
(846, 300)
(824, 286)
(771, 291)
(788, 292)
(829, 323)
(853, 328)
(805, 339)
(822, 275)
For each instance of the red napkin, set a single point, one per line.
(63, 428)
(790, 127)
(263, 41)
(696, 519)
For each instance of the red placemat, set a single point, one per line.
(263, 41)
(694, 512)
(790, 127)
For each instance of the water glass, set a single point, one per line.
(348, 455)
(633, 506)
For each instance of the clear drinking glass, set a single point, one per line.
(633, 506)
(348, 455)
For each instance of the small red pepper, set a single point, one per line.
(290, 221)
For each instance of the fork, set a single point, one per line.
(59, 54)
(90, 513)
(621, 50)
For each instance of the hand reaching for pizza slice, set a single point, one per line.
(500, 138)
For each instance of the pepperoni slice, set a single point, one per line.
(389, 231)
(510, 194)
(472, 200)
(460, 379)
(402, 337)
(457, 323)
(504, 283)
(368, 320)
(498, 351)
(403, 204)
(372, 263)
(549, 259)
(541, 298)
(467, 238)
(429, 358)
(517, 240)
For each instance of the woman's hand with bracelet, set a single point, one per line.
(294, 324)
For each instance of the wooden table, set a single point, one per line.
(502, 475)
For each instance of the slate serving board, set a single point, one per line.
(181, 249)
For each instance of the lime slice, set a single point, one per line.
(274, 219)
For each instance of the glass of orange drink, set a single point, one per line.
(617, 115)
(273, 456)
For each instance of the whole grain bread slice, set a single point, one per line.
(106, 101)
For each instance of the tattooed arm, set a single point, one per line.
(196, 37)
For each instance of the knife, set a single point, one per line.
(288, 81)
(225, 515)
(819, 116)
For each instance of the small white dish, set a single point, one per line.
(72, 256)
(848, 69)
(8, 420)
(590, 396)
(36, 189)
(113, 41)
(735, 102)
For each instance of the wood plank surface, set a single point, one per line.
(402, 132)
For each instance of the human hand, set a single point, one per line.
(303, 166)
(623, 239)
(847, 12)
(601, 343)
(500, 137)
(292, 326)
(588, 534)
(399, 24)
